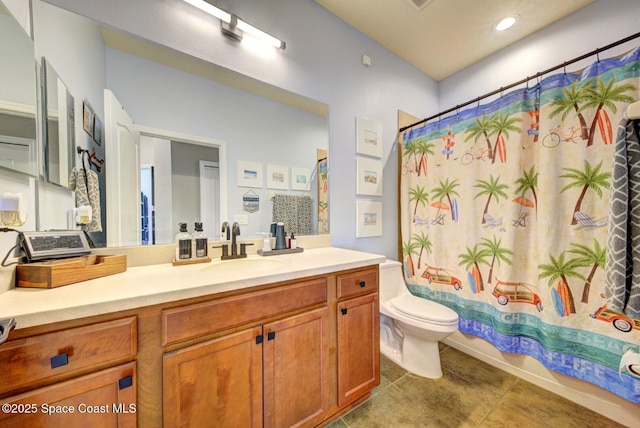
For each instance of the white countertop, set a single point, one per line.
(162, 283)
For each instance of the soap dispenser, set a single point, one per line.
(183, 243)
(200, 241)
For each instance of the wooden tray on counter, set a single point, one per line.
(56, 273)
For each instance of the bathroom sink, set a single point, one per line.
(248, 265)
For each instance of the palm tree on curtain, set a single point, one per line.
(528, 181)
(424, 148)
(574, 96)
(410, 151)
(560, 270)
(422, 241)
(420, 196)
(604, 95)
(589, 178)
(589, 256)
(492, 188)
(481, 129)
(501, 125)
(474, 258)
(446, 189)
(409, 248)
(497, 252)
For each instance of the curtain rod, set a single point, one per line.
(520, 82)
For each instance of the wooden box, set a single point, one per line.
(55, 273)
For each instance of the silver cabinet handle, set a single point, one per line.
(5, 328)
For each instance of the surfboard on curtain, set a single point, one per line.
(409, 271)
(474, 279)
(604, 124)
(454, 209)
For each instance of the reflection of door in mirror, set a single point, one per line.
(186, 184)
(59, 110)
(122, 174)
(17, 97)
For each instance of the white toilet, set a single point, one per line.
(410, 326)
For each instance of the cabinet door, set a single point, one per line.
(103, 399)
(296, 370)
(358, 347)
(215, 383)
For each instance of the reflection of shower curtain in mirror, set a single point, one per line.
(511, 200)
(88, 196)
(295, 211)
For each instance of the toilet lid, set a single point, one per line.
(424, 310)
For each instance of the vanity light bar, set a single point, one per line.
(260, 35)
(211, 10)
(235, 27)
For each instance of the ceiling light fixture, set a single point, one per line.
(506, 23)
(234, 27)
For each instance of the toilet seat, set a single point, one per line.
(424, 310)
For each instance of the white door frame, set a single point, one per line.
(202, 141)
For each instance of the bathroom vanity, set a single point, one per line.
(288, 340)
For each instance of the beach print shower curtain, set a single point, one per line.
(504, 219)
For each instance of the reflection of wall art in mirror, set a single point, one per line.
(369, 177)
(249, 174)
(88, 116)
(97, 130)
(277, 177)
(301, 179)
(368, 219)
(251, 202)
(368, 137)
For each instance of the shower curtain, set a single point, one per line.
(504, 219)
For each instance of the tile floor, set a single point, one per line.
(470, 393)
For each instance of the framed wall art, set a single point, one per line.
(87, 118)
(277, 177)
(369, 177)
(249, 174)
(301, 179)
(368, 219)
(368, 137)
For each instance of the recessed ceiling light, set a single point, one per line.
(506, 23)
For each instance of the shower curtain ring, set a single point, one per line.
(564, 68)
(598, 55)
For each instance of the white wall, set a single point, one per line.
(597, 25)
(323, 61)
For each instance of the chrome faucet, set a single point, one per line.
(235, 231)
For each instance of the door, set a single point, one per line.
(122, 160)
(296, 370)
(358, 347)
(210, 198)
(215, 383)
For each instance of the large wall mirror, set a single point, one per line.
(18, 141)
(187, 113)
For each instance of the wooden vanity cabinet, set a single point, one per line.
(274, 375)
(81, 376)
(358, 324)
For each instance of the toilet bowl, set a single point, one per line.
(410, 326)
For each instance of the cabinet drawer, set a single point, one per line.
(28, 361)
(199, 319)
(356, 283)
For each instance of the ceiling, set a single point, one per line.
(441, 37)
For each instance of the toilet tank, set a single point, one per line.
(391, 280)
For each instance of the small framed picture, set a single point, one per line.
(88, 115)
(249, 174)
(368, 219)
(277, 177)
(97, 130)
(300, 179)
(368, 137)
(369, 178)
